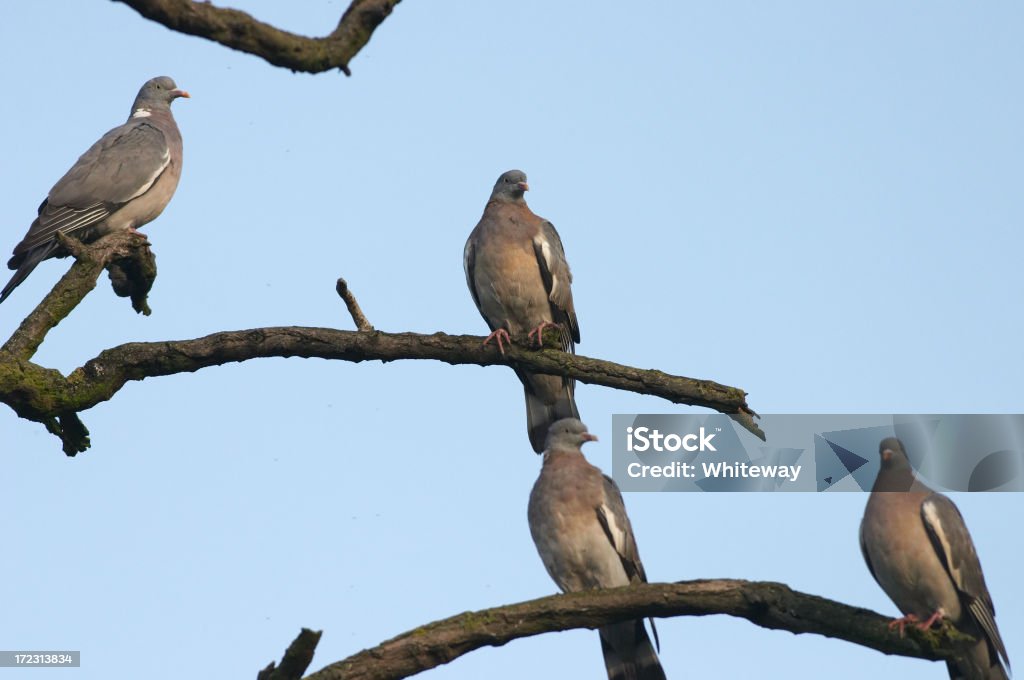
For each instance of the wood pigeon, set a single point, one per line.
(917, 547)
(123, 181)
(520, 282)
(581, 530)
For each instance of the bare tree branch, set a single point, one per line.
(240, 31)
(769, 605)
(40, 394)
(46, 396)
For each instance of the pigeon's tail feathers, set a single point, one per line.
(542, 413)
(628, 652)
(980, 662)
(26, 264)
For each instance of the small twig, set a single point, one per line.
(295, 660)
(744, 415)
(362, 323)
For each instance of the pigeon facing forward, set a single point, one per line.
(123, 181)
(917, 547)
(520, 282)
(581, 530)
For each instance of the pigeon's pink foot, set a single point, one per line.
(539, 332)
(937, 616)
(902, 622)
(135, 232)
(499, 335)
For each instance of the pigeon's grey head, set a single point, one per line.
(896, 474)
(510, 186)
(567, 434)
(894, 457)
(157, 94)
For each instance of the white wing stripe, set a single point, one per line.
(618, 535)
(545, 251)
(931, 515)
(166, 160)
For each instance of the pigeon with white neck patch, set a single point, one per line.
(917, 547)
(123, 181)
(579, 524)
(520, 281)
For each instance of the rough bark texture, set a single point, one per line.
(46, 396)
(240, 31)
(769, 605)
(127, 254)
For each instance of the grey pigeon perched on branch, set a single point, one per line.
(581, 530)
(917, 547)
(520, 281)
(123, 181)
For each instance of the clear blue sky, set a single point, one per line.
(817, 202)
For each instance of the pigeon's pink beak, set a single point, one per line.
(181, 93)
(587, 437)
(524, 186)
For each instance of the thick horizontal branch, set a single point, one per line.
(769, 605)
(240, 31)
(46, 396)
(40, 394)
